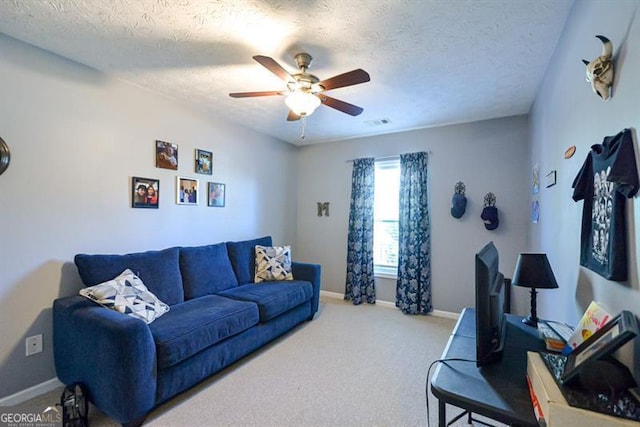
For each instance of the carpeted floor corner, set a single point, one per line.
(352, 366)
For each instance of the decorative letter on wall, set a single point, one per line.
(323, 208)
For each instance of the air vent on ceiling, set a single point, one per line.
(379, 122)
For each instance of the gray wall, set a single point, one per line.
(77, 137)
(488, 156)
(567, 113)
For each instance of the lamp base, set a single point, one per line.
(530, 321)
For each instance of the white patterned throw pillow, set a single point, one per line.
(127, 294)
(273, 263)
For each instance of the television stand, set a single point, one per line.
(498, 391)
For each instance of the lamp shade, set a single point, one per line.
(302, 103)
(534, 271)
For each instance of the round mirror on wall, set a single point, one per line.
(5, 156)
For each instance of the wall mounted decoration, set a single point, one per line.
(166, 155)
(458, 200)
(145, 193)
(204, 162)
(490, 213)
(607, 178)
(186, 191)
(570, 152)
(216, 194)
(535, 179)
(535, 211)
(600, 70)
(5, 156)
(323, 208)
(550, 179)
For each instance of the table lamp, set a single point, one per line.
(533, 271)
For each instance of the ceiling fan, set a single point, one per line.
(305, 92)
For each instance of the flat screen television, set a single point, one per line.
(491, 291)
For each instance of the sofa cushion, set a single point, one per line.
(197, 324)
(206, 270)
(127, 294)
(273, 263)
(159, 270)
(243, 257)
(273, 298)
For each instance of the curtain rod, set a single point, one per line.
(397, 156)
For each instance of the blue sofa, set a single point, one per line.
(216, 316)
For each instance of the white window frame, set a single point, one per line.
(379, 270)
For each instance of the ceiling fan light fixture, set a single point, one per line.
(302, 103)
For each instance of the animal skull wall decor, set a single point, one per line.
(600, 70)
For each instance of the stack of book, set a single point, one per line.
(555, 335)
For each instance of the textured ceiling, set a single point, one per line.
(431, 62)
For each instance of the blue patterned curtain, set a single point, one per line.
(360, 282)
(413, 288)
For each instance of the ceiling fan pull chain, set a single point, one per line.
(304, 122)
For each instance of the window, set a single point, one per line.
(385, 217)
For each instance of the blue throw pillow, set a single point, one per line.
(243, 257)
(159, 270)
(206, 270)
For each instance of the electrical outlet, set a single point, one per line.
(34, 344)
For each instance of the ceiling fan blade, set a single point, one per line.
(345, 107)
(292, 117)
(252, 94)
(271, 65)
(346, 79)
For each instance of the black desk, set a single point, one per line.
(498, 391)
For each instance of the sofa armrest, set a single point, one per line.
(311, 273)
(111, 353)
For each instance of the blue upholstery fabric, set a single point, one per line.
(243, 257)
(206, 270)
(159, 270)
(197, 324)
(148, 364)
(111, 353)
(312, 274)
(191, 371)
(273, 298)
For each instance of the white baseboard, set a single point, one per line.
(31, 392)
(388, 304)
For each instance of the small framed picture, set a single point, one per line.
(605, 341)
(535, 179)
(145, 193)
(186, 191)
(550, 179)
(535, 211)
(204, 162)
(166, 155)
(215, 196)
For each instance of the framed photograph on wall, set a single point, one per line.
(204, 162)
(186, 191)
(535, 179)
(603, 342)
(215, 197)
(145, 192)
(166, 155)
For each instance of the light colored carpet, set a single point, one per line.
(352, 366)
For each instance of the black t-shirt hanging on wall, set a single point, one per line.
(608, 177)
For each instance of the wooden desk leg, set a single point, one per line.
(442, 414)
